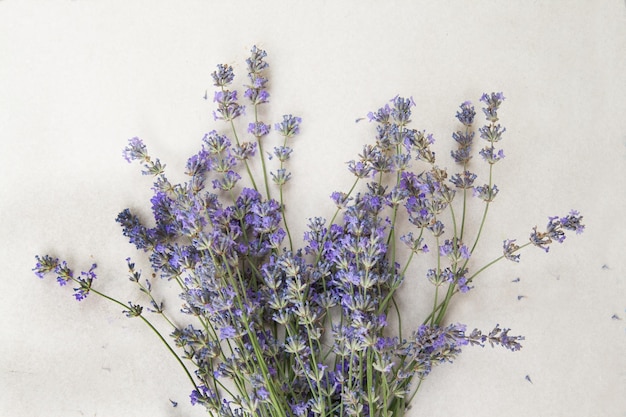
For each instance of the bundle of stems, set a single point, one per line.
(280, 330)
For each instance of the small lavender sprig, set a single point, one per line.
(288, 128)
(257, 94)
(47, 264)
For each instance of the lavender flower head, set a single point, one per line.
(492, 102)
(257, 92)
(289, 127)
(136, 150)
(466, 113)
(223, 76)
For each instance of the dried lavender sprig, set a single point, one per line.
(257, 94)
(46, 264)
(462, 155)
(229, 107)
(488, 191)
(554, 229)
(288, 128)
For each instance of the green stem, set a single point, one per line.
(451, 291)
(419, 384)
(149, 324)
(437, 278)
(261, 154)
(442, 307)
(327, 235)
(467, 132)
(245, 162)
(482, 222)
(395, 306)
(464, 214)
(494, 261)
(282, 211)
(282, 204)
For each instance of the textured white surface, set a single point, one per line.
(78, 78)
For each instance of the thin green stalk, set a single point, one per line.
(282, 211)
(145, 290)
(494, 261)
(278, 406)
(299, 360)
(464, 214)
(282, 204)
(437, 278)
(395, 306)
(452, 214)
(261, 154)
(419, 384)
(482, 222)
(385, 386)
(451, 290)
(149, 324)
(370, 383)
(245, 162)
(441, 307)
(332, 220)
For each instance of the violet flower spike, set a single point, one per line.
(223, 76)
(289, 127)
(466, 114)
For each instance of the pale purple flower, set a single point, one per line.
(135, 150)
(258, 129)
(289, 127)
(466, 113)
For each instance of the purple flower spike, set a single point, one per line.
(135, 150)
(466, 114)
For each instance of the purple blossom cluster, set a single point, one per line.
(46, 264)
(305, 332)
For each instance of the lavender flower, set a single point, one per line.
(463, 180)
(461, 155)
(228, 107)
(454, 250)
(381, 115)
(281, 176)
(45, 264)
(282, 153)
(258, 129)
(136, 150)
(289, 127)
(401, 110)
(509, 248)
(244, 151)
(493, 102)
(256, 92)
(305, 331)
(466, 114)
(572, 222)
(216, 143)
(486, 193)
(555, 230)
(490, 154)
(492, 133)
(223, 76)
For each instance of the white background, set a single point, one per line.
(78, 78)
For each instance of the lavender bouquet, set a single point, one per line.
(284, 325)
